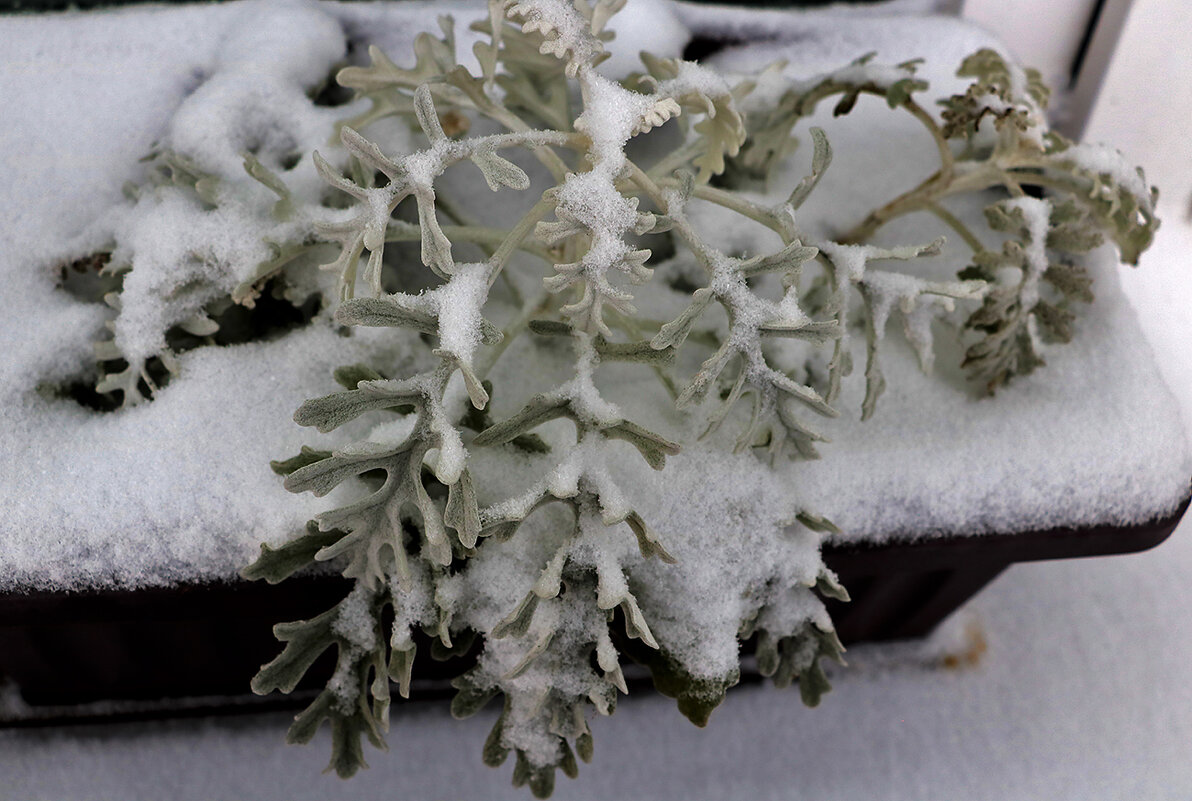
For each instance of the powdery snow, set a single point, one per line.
(1065, 446)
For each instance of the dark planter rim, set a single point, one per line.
(900, 589)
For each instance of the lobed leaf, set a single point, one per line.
(277, 564)
(332, 411)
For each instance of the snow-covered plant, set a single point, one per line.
(468, 520)
(1065, 198)
(173, 293)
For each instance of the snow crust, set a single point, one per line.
(180, 488)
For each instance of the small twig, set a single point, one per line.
(947, 160)
(517, 235)
(675, 160)
(476, 234)
(721, 197)
(953, 222)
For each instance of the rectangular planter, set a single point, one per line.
(191, 649)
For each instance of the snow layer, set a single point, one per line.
(938, 460)
(1094, 437)
(1086, 702)
(181, 488)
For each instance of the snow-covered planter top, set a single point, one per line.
(590, 326)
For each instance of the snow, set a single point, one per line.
(177, 487)
(897, 726)
(695, 79)
(824, 42)
(1159, 288)
(1025, 459)
(459, 302)
(1104, 159)
(252, 97)
(167, 230)
(1126, 466)
(653, 25)
(565, 31)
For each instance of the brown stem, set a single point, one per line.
(947, 160)
(916, 199)
(926, 195)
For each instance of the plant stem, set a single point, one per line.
(631, 327)
(926, 194)
(947, 160)
(747, 208)
(517, 235)
(922, 196)
(486, 238)
(729, 200)
(675, 160)
(476, 234)
(487, 358)
(548, 157)
(1012, 176)
(499, 114)
(956, 225)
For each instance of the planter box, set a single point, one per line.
(192, 648)
(184, 650)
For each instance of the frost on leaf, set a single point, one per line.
(703, 91)
(1018, 317)
(918, 301)
(1012, 97)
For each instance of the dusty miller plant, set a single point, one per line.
(434, 554)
